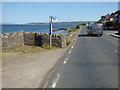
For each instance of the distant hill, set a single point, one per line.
(74, 22)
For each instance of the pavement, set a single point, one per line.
(28, 70)
(115, 34)
(91, 62)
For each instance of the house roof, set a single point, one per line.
(107, 17)
(111, 16)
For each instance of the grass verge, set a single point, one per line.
(31, 49)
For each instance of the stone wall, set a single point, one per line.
(13, 40)
(72, 36)
(36, 38)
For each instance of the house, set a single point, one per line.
(102, 18)
(105, 18)
(112, 17)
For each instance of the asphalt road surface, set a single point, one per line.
(92, 62)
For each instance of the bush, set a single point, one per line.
(98, 22)
(73, 29)
(83, 24)
(109, 23)
(78, 26)
(68, 42)
(88, 22)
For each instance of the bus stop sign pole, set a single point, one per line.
(51, 19)
(50, 31)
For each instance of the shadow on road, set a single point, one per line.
(85, 35)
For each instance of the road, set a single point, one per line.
(92, 62)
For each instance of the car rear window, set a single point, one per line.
(98, 27)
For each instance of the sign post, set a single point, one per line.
(51, 19)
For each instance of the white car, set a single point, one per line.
(96, 29)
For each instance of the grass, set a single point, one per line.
(25, 49)
(5, 51)
(78, 26)
(48, 47)
(73, 29)
(30, 49)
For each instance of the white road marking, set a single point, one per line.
(105, 50)
(64, 62)
(116, 51)
(66, 59)
(72, 47)
(55, 81)
(70, 51)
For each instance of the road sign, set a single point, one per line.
(54, 18)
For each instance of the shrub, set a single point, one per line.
(83, 24)
(88, 22)
(109, 23)
(46, 47)
(78, 26)
(73, 29)
(98, 22)
(68, 42)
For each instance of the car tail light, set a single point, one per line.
(91, 27)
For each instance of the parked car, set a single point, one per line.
(96, 29)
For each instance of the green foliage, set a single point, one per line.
(67, 42)
(73, 29)
(45, 47)
(48, 47)
(118, 11)
(98, 22)
(4, 51)
(78, 26)
(109, 23)
(24, 50)
(83, 24)
(88, 22)
(35, 46)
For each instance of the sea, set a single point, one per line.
(6, 28)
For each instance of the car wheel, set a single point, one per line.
(100, 34)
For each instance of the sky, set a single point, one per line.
(26, 12)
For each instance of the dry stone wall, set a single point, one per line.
(12, 40)
(15, 39)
